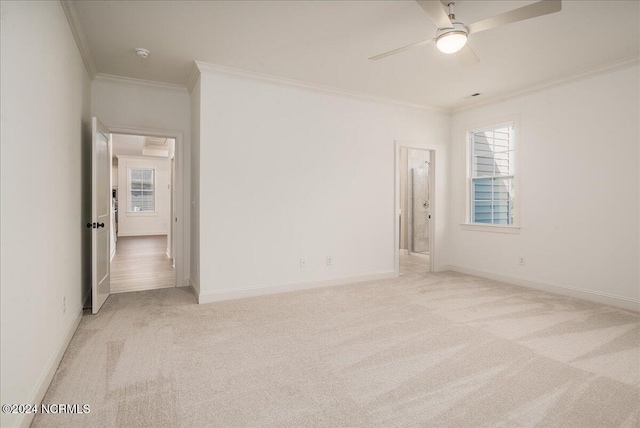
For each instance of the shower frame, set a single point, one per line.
(410, 217)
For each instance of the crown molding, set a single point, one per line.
(207, 68)
(130, 81)
(553, 83)
(71, 12)
(194, 75)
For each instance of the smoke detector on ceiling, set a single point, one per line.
(142, 53)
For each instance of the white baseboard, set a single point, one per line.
(47, 377)
(404, 252)
(121, 234)
(219, 296)
(590, 295)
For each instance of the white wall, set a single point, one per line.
(292, 173)
(45, 138)
(578, 160)
(147, 223)
(130, 105)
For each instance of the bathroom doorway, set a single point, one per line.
(415, 208)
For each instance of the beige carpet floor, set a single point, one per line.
(434, 350)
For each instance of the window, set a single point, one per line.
(492, 175)
(141, 187)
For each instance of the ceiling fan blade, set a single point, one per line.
(467, 57)
(437, 13)
(402, 49)
(540, 8)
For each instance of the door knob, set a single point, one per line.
(100, 224)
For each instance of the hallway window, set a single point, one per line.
(141, 187)
(493, 175)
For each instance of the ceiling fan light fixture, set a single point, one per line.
(451, 40)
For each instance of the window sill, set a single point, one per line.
(142, 213)
(490, 228)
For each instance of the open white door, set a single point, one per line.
(100, 214)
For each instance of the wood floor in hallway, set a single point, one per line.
(141, 263)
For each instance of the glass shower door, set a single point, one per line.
(420, 210)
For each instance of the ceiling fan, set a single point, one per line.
(452, 34)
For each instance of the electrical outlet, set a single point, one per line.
(521, 260)
(303, 263)
(329, 261)
(64, 304)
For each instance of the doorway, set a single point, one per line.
(134, 188)
(415, 201)
(143, 209)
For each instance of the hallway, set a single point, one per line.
(141, 263)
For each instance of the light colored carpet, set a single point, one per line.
(435, 350)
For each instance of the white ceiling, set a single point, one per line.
(134, 145)
(328, 43)
(127, 145)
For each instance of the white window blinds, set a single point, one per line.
(141, 186)
(492, 175)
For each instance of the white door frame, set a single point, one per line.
(178, 230)
(171, 248)
(433, 245)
